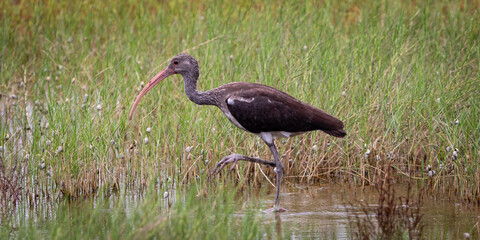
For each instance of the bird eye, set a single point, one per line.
(175, 62)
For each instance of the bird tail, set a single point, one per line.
(336, 132)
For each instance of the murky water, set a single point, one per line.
(322, 212)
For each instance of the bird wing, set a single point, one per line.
(260, 108)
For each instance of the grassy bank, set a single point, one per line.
(403, 76)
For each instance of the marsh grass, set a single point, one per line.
(181, 216)
(399, 74)
(393, 217)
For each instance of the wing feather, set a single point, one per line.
(265, 109)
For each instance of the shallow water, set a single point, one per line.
(322, 212)
(314, 212)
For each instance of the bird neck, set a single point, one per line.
(200, 98)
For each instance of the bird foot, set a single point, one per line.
(232, 158)
(276, 209)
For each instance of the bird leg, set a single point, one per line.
(279, 171)
(234, 158)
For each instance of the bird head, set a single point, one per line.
(183, 64)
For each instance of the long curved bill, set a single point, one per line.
(155, 80)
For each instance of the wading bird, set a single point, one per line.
(259, 109)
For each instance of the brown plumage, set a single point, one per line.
(256, 108)
(266, 109)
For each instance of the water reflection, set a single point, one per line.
(278, 225)
(322, 212)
